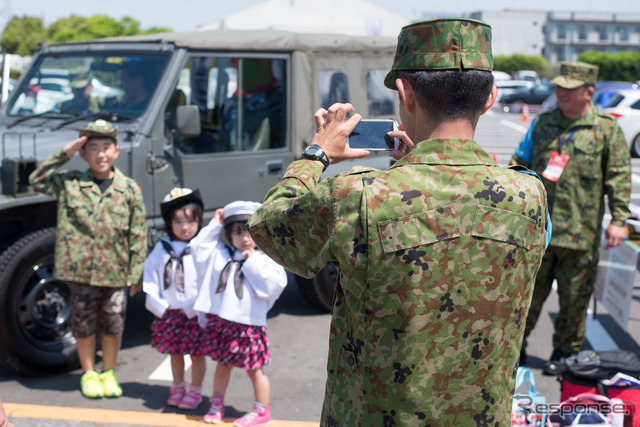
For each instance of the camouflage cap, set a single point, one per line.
(576, 74)
(442, 44)
(100, 128)
(79, 80)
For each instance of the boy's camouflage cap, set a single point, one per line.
(100, 128)
(576, 74)
(442, 44)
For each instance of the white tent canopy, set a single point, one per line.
(353, 17)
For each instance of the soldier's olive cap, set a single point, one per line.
(100, 128)
(79, 80)
(576, 74)
(442, 44)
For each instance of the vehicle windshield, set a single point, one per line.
(76, 85)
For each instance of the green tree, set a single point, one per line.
(156, 30)
(511, 63)
(623, 66)
(22, 35)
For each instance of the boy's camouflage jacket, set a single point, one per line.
(438, 256)
(599, 164)
(101, 238)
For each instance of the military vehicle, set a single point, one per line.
(222, 111)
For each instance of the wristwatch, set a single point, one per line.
(315, 152)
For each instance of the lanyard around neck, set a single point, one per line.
(563, 141)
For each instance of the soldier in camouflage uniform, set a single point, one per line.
(437, 254)
(582, 155)
(101, 244)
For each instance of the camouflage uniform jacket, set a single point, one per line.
(101, 237)
(599, 164)
(437, 257)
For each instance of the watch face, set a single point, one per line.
(314, 150)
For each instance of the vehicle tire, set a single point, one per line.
(35, 334)
(319, 290)
(635, 146)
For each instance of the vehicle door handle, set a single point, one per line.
(275, 167)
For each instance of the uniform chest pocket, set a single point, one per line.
(117, 216)
(587, 158)
(505, 226)
(419, 229)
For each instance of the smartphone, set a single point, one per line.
(372, 135)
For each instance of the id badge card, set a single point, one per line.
(556, 165)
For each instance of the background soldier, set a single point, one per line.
(82, 102)
(437, 254)
(581, 155)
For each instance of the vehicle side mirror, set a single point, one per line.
(188, 120)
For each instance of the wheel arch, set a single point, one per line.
(20, 218)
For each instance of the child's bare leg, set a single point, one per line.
(177, 369)
(198, 369)
(110, 349)
(261, 387)
(221, 378)
(87, 352)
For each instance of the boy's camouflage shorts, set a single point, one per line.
(97, 304)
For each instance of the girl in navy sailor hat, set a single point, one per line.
(171, 286)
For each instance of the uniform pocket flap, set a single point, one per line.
(418, 229)
(588, 146)
(505, 226)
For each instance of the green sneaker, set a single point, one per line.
(110, 386)
(91, 385)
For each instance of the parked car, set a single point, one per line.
(624, 105)
(532, 96)
(528, 75)
(506, 87)
(500, 76)
(606, 89)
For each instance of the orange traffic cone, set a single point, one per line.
(525, 112)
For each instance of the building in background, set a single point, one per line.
(568, 34)
(560, 36)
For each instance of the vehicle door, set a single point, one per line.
(244, 145)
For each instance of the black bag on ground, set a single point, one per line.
(603, 364)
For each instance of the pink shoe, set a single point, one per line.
(191, 400)
(259, 416)
(216, 410)
(176, 396)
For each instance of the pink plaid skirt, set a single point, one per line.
(235, 344)
(177, 335)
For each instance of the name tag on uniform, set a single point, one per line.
(556, 165)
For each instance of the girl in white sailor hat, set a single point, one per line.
(239, 286)
(170, 283)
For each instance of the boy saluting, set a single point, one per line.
(101, 244)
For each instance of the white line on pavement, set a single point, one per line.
(163, 371)
(514, 126)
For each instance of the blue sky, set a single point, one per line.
(186, 15)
